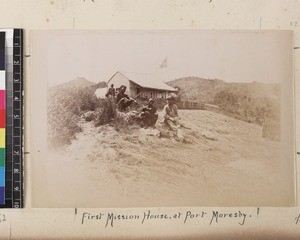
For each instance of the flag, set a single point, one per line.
(164, 64)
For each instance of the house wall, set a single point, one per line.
(146, 93)
(153, 93)
(118, 79)
(134, 89)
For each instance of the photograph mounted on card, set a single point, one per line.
(162, 118)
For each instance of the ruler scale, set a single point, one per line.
(17, 119)
(2, 117)
(14, 120)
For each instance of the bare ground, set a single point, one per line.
(224, 162)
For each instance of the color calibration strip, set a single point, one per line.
(13, 140)
(2, 117)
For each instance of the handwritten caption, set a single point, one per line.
(209, 217)
(2, 218)
(297, 219)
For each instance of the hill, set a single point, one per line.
(133, 167)
(77, 83)
(253, 102)
(200, 89)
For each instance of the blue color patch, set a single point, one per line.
(2, 176)
(2, 195)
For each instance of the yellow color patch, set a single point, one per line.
(2, 138)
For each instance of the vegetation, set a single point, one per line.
(248, 108)
(68, 107)
(65, 108)
(250, 102)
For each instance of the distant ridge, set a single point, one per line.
(195, 88)
(79, 82)
(205, 90)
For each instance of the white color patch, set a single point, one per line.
(2, 80)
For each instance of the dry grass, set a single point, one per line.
(68, 107)
(133, 167)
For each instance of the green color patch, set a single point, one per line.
(2, 157)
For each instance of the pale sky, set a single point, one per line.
(226, 55)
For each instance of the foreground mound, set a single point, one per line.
(226, 162)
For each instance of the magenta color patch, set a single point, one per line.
(2, 99)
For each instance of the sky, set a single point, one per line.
(232, 56)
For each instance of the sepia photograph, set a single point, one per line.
(162, 118)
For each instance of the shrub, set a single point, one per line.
(65, 109)
(248, 108)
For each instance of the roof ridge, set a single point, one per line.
(145, 82)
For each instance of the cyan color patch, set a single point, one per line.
(2, 176)
(2, 185)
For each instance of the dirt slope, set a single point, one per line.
(225, 162)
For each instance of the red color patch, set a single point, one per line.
(2, 118)
(2, 99)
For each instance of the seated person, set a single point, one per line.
(171, 114)
(171, 117)
(123, 100)
(149, 116)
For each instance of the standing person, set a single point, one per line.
(123, 100)
(111, 93)
(171, 117)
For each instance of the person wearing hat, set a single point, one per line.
(149, 116)
(123, 100)
(171, 113)
(171, 117)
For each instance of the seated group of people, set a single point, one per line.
(118, 98)
(148, 116)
